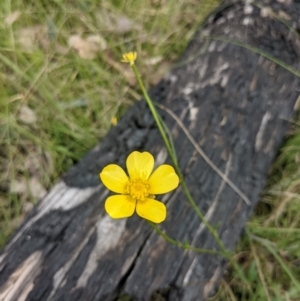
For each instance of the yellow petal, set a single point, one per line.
(139, 165)
(163, 180)
(152, 210)
(114, 178)
(119, 206)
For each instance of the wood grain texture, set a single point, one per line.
(234, 103)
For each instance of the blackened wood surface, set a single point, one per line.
(234, 102)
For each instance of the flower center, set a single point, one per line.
(138, 189)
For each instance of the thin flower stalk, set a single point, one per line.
(174, 159)
(182, 245)
(171, 152)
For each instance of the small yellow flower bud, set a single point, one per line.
(114, 121)
(129, 57)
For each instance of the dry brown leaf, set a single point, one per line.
(27, 115)
(96, 39)
(116, 23)
(87, 48)
(12, 18)
(36, 163)
(32, 37)
(32, 163)
(121, 25)
(18, 186)
(153, 60)
(27, 207)
(25, 188)
(36, 189)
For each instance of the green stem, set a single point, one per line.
(175, 162)
(182, 245)
(214, 233)
(155, 115)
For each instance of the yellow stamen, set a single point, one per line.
(138, 189)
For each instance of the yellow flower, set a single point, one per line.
(114, 121)
(129, 57)
(137, 191)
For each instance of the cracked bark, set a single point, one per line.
(235, 104)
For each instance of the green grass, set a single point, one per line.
(72, 101)
(269, 252)
(72, 98)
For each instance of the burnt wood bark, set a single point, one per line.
(235, 104)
